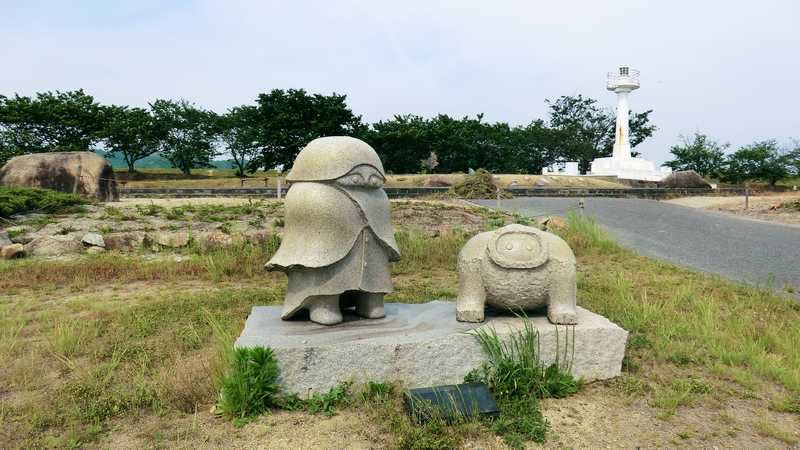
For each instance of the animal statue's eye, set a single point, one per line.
(356, 178)
(374, 181)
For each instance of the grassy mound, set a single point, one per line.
(478, 185)
(22, 200)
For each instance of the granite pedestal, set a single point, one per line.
(418, 345)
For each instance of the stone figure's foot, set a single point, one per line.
(370, 306)
(470, 315)
(563, 317)
(324, 310)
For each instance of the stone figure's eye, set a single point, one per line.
(356, 178)
(375, 181)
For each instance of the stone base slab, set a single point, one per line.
(418, 345)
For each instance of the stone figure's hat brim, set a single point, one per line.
(328, 158)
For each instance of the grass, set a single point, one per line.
(83, 347)
(251, 386)
(518, 379)
(26, 200)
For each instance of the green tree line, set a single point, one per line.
(269, 133)
(766, 160)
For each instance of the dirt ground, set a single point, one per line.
(762, 207)
(599, 416)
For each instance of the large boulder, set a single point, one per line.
(84, 173)
(53, 246)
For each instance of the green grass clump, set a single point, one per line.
(518, 379)
(25, 200)
(423, 252)
(251, 386)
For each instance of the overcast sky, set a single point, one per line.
(727, 68)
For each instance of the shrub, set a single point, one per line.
(478, 185)
(24, 200)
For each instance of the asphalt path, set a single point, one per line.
(755, 252)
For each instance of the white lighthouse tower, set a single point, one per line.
(621, 164)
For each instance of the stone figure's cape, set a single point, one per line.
(324, 220)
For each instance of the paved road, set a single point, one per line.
(740, 249)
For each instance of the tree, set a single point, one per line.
(51, 121)
(760, 160)
(239, 133)
(401, 142)
(188, 133)
(587, 131)
(132, 133)
(792, 158)
(700, 153)
(288, 120)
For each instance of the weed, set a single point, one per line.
(377, 392)
(770, 429)
(251, 386)
(632, 386)
(684, 435)
(494, 224)
(789, 404)
(518, 379)
(328, 402)
(681, 392)
(150, 210)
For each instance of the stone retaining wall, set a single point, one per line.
(426, 191)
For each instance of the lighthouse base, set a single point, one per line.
(628, 169)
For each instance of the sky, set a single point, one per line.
(730, 69)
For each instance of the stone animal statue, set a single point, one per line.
(516, 267)
(338, 239)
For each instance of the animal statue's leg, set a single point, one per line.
(370, 305)
(561, 307)
(471, 302)
(324, 309)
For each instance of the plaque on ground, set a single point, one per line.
(450, 403)
(418, 345)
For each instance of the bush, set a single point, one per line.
(23, 200)
(478, 185)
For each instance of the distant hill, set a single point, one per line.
(155, 162)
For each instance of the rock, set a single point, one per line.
(124, 241)
(4, 239)
(95, 250)
(93, 240)
(53, 246)
(12, 251)
(418, 345)
(168, 239)
(213, 239)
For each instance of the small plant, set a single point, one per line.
(251, 386)
(67, 229)
(518, 379)
(377, 392)
(150, 210)
(790, 404)
(493, 224)
(278, 223)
